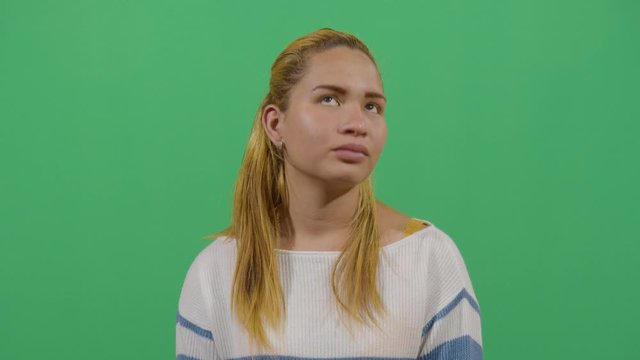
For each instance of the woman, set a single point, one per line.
(312, 265)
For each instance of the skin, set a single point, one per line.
(322, 185)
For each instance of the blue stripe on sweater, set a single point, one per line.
(463, 294)
(193, 327)
(462, 348)
(185, 357)
(286, 357)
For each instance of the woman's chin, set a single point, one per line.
(350, 179)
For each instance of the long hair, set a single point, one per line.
(260, 207)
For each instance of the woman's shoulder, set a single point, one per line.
(220, 246)
(214, 255)
(396, 226)
(444, 257)
(425, 238)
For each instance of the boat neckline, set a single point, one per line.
(387, 247)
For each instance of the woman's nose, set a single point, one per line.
(354, 121)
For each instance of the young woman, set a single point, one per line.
(312, 265)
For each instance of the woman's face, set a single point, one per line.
(339, 101)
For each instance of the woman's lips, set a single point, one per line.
(350, 155)
(354, 147)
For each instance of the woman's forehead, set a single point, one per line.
(342, 67)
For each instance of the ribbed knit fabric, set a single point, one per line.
(432, 309)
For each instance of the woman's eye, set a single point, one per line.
(330, 99)
(375, 106)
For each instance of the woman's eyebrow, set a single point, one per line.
(343, 91)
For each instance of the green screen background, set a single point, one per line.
(513, 126)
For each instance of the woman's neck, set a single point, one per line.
(319, 217)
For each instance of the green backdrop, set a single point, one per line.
(513, 126)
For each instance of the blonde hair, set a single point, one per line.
(260, 207)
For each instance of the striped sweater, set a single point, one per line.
(432, 310)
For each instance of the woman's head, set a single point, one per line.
(296, 128)
(327, 98)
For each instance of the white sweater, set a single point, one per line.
(432, 309)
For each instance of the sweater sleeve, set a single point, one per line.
(194, 338)
(452, 329)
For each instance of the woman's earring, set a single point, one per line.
(280, 152)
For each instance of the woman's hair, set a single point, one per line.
(260, 209)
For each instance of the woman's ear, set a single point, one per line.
(272, 122)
